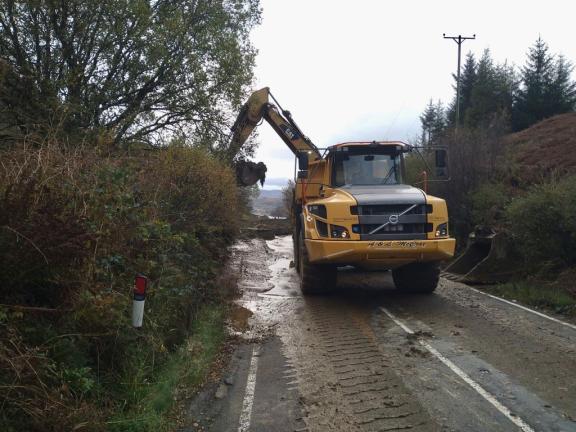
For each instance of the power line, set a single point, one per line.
(459, 40)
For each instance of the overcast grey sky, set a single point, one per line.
(365, 69)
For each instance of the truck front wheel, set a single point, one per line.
(296, 249)
(417, 277)
(314, 278)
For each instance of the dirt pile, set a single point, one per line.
(265, 227)
(548, 147)
(249, 173)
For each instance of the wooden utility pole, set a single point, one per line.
(458, 39)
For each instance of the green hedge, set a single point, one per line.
(76, 225)
(543, 224)
(488, 203)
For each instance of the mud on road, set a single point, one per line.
(367, 358)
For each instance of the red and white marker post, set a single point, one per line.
(140, 284)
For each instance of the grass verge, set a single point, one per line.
(537, 295)
(153, 404)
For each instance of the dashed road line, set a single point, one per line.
(248, 402)
(540, 314)
(514, 418)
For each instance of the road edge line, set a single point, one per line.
(464, 376)
(248, 402)
(540, 314)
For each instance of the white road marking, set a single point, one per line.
(279, 296)
(524, 308)
(246, 413)
(465, 377)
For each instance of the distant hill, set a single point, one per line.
(270, 193)
(267, 202)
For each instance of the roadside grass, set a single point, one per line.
(540, 295)
(151, 405)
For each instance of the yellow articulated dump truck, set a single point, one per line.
(351, 207)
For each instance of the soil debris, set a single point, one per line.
(420, 334)
(221, 392)
(239, 318)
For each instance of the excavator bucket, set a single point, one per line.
(489, 258)
(248, 173)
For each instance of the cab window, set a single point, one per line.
(351, 168)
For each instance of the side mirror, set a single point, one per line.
(302, 161)
(441, 163)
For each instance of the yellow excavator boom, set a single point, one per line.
(259, 107)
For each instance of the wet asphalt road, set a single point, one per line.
(367, 358)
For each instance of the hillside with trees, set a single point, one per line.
(512, 159)
(542, 88)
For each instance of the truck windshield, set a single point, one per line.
(366, 169)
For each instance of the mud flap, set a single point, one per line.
(489, 258)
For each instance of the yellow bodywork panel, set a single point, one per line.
(439, 213)
(311, 187)
(338, 204)
(369, 254)
(376, 254)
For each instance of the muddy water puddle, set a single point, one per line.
(268, 286)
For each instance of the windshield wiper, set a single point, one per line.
(392, 169)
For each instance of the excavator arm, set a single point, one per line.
(258, 108)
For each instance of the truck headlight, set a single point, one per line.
(339, 232)
(442, 230)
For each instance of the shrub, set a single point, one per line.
(543, 223)
(76, 224)
(488, 202)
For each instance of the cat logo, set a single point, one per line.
(289, 132)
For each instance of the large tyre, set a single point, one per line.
(296, 228)
(296, 248)
(417, 277)
(314, 278)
